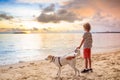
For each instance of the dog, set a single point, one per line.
(61, 61)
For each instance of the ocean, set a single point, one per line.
(30, 47)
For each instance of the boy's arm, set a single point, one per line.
(81, 43)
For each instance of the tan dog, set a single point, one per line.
(61, 61)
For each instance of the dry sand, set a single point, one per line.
(106, 66)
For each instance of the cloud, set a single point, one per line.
(49, 14)
(111, 7)
(105, 22)
(103, 13)
(5, 16)
(41, 1)
(81, 7)
(49, 8)
(77, 3)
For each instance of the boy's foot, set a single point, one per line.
(91, 70)
(85, 71)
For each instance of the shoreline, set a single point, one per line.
(109, 52)
(106, 66)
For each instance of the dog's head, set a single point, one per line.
(77, 51)
(49, 58)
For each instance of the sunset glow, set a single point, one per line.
(31, 24)
(60, 15)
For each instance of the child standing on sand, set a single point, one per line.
(87, 45)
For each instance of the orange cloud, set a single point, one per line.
(111, 7)
(84, 12)
(91, 7)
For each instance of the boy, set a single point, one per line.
(87, 45)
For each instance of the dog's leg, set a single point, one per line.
(78, 71)
(59, 72)
(73, 65)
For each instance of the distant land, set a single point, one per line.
(105, 32)
(24, 32)
(43, 30)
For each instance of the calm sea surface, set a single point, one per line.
(28, 47)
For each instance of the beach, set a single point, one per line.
(106, 66)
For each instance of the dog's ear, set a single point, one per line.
(50, 56)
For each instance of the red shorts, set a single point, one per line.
(87, 53)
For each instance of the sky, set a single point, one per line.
(60, 15)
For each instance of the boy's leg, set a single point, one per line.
(86, 66)
(89, 57)
(85, 60)
(89, 61)
(90, 68)
(86, 63)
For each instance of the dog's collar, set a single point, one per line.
(59, 61)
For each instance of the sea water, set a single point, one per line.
(28, 47)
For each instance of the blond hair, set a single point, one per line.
(87, 26)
